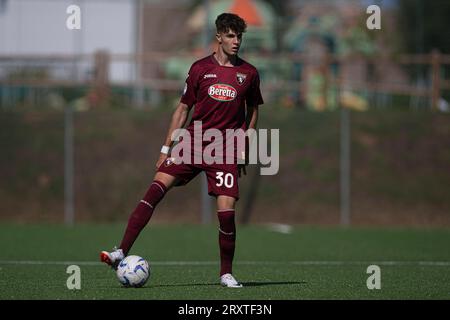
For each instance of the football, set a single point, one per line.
(133, 271)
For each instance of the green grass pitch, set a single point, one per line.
(307, 263)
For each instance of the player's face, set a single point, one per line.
(230, 41)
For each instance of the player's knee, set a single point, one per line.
(225, 202)
(166, 179)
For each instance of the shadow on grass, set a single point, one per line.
(270, 283)
(245, 284)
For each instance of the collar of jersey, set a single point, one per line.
(239, 62)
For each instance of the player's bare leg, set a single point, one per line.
(165, 178)
(140, 217)
(227, 239)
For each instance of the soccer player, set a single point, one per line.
(226, 94)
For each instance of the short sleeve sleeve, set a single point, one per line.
(189, 96)
(254, 96)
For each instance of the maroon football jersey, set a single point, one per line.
(219, 93)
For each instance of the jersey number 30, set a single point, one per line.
(227, 179)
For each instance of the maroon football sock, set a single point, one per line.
(142, 214)
(227, 239)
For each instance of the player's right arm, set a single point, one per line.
(178, 121)
(179, 117)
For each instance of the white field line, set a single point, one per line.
(208, 263)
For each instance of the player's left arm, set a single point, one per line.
(251, 120)
(252, 116)
(253, 100)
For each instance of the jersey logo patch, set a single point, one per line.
(169, 162)
(210, 75)
(240, 77)
(222, 92)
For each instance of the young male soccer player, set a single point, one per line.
(226, 94)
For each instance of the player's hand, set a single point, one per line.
(243, 161)
(242, 168)
(162, 158)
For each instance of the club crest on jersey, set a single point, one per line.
(169, 161)
(240, 77)
(222, 92)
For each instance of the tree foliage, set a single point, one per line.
(424, 25)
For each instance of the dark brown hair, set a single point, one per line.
(230, 21)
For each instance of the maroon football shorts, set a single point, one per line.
(222, 178)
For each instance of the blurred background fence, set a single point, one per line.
(363, 114)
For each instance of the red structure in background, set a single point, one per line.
(247, 10)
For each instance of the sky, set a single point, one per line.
(39, 27)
